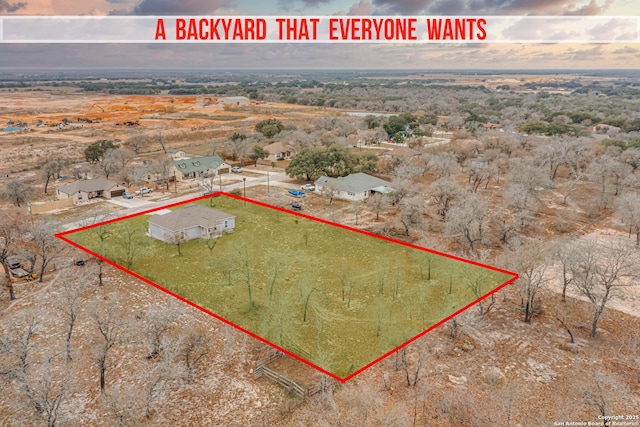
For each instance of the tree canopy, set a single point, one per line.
(269, 127)
(95, 152)
(313, 162)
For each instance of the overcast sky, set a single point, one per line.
(321, 56)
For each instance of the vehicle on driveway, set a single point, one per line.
(19, 273)
(296, 206)
(127, 195)
(309, 187)
(142, 191)
(236, 169)
(296, 193)
(13, 263)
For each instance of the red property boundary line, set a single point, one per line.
(63, 237)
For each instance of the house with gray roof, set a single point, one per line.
(190, 222)
(199, 167)
(83, 190)
(357, 186)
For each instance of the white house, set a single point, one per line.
(357, 186)
(191, 222)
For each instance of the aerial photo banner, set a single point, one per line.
(319, 29)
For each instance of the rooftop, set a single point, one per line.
(189, 216)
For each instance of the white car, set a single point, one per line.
(309, 187)
(236, 170)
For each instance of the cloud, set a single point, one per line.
(627, 50)
(178, 7)
(402, 7)
(591, 9)
(363, 8)
(7, 7)
(492, 7)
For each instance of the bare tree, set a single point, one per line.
(356, 208)
(158, 326)
(444, 164)
(478, 172)
(43, 386)
(377, 203)
(130, 244)
(112, 326)
(48, 247)
(47, 390)
(329, 190)
(52, 169)
(564, 254)
(136, 142)
(163, 169)
(445, 192)
(600, 270)
(466, 220)
(245, 261)
(162, 375)
(16, 191)
(69, 306)
(177, 238)
(195, 346)
(11, 228)
(113, 161)
(411, 212)
(628, 210)
(160, 139)
(530, 261)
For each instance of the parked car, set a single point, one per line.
(296, 193)
(309, 187)
(296, 206)
(127, 195)
(236, 169)
(13, 263)
(142, 191)
(19, 273)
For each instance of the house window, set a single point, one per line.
(225, 224)
(365, 193)
(352, 194)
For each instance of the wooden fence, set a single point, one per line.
(37, 208)
(262, 370)
(285, 382)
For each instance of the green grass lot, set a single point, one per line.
(363, 296)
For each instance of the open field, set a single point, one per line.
(337, 298)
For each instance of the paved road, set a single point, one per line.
(139, 204)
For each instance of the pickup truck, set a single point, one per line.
(19, 273)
